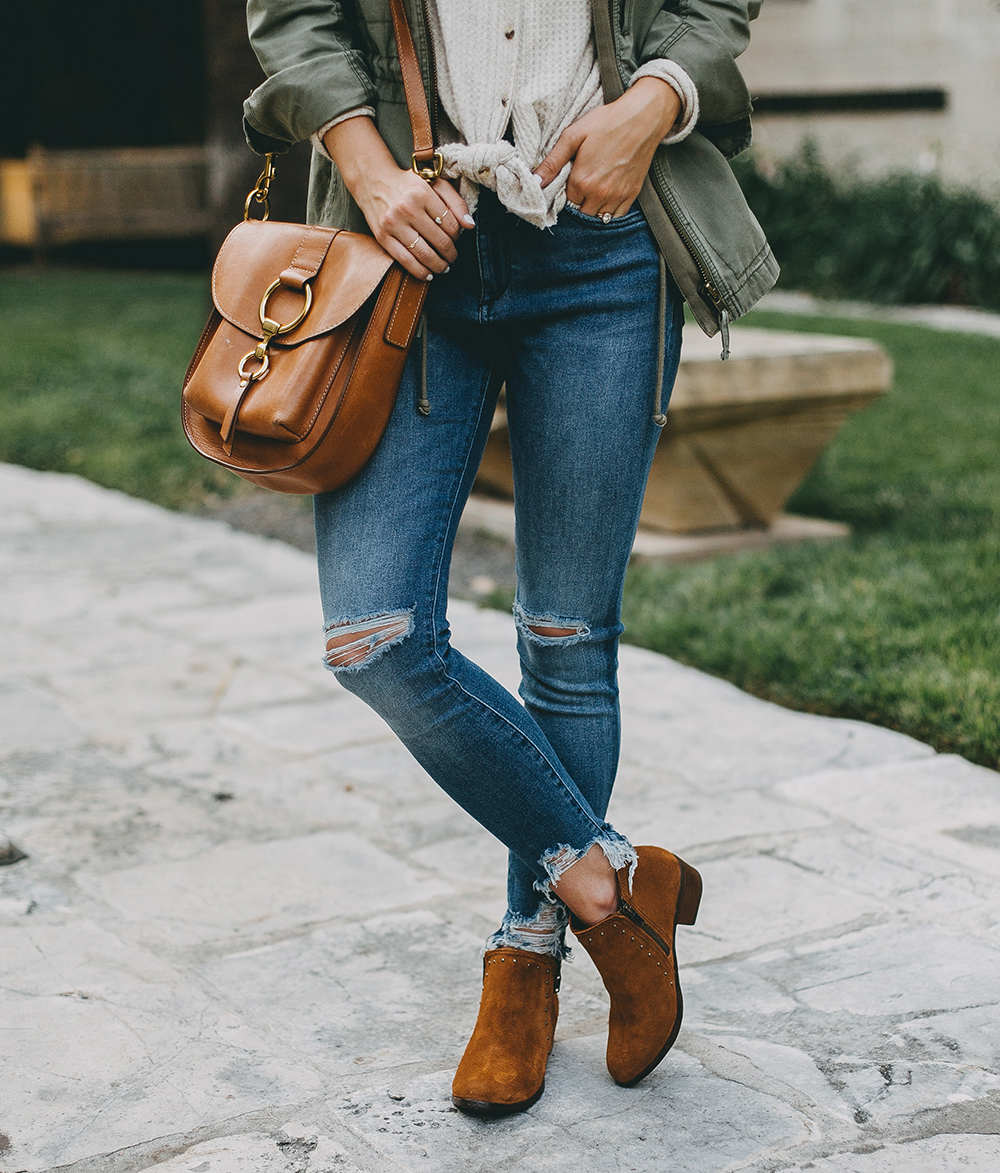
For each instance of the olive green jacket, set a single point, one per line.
(323, 58)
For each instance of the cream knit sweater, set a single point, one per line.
(530, 65)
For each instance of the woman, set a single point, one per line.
(548, 278)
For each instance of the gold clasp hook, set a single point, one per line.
(262, 190)
(271, 329)
(429, 173)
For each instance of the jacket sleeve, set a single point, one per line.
(704, 37)
(311, 52)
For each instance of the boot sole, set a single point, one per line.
(686, 913)
(487, 1111)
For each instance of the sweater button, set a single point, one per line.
(508, 32)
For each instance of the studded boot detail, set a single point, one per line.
(503, 1068)
(634, 953)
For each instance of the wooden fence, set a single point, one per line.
(57, 197)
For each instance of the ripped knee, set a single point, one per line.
(356, 643)
(548, 628)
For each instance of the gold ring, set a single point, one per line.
(414, 245)
(606, 217)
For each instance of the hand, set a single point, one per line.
(416, 222)
(612, 148)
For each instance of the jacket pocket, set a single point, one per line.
(632, 217)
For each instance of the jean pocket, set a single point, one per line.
(632, 217)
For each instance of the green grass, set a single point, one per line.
(900, 625)
(90, 373)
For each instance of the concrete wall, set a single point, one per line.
(842, 46)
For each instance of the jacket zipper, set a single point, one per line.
(627, 910)
(435, 101)
(617, 11)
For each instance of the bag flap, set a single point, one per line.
(256, 251)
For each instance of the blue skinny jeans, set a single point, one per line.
(570, 320)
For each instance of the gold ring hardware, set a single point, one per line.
(429, 173)
(261, 190)
(268, 325)
(265, 362)
(271, 329)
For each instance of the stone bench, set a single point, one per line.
(740, 435)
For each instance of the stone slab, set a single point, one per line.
(936, 1154)
(322, 995)
(261, 1152)
(33, 720)
(584, 1121)
(104, 1042)
(787, 902)
(239, 890)
(922, 812)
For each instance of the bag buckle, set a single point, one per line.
(261, 190)
(429, 173)
(271, 329)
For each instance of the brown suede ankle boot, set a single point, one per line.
(634, 953)
(503, 1068)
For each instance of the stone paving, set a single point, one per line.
(245, 937)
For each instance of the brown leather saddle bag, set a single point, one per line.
(298, 369)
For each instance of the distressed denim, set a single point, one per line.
(569, 320)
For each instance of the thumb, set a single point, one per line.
(564, 150)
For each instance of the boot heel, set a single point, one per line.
(690, 895)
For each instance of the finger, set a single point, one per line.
(436, 236)
(444, 220)
(399, 252)
(416, 226)
(564, 150)
(593, 205)
(458, 208)
(429, 257)
(582, 189)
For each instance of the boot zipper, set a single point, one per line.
(626, 909)
(713, 294)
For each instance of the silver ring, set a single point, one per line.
(414, 245)
(606, 217)
(438, 219)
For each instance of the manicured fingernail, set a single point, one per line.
(448, 270)
(429, 277)
(469, 220)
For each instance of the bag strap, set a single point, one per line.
(426, 161)
(308, 259)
